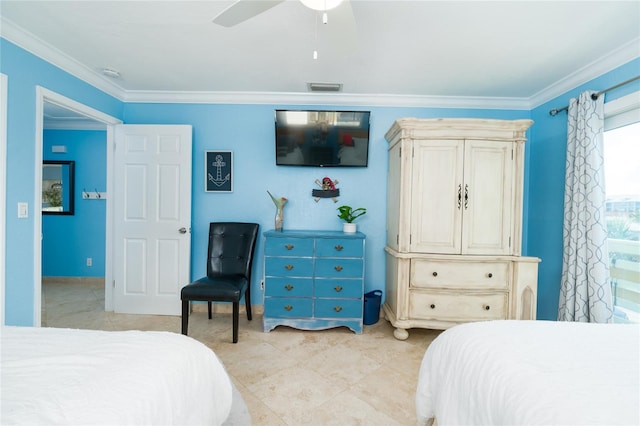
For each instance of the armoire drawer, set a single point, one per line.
(428, 273)
(458, 307)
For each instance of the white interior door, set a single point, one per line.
(152, 217)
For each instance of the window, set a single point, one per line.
(622, 180)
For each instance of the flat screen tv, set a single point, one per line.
(322, 138)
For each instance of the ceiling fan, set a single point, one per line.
(243, 10)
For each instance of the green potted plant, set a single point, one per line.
(349, 214)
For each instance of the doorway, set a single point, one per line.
(48, 105)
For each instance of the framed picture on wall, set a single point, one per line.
(218, 171)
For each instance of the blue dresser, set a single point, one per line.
(313, 279)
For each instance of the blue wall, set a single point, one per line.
(67, 241)
(25, 71)
(248, 131)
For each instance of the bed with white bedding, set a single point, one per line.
(74, 377)
(531, 373)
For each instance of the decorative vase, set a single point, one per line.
(349, 228)
(279, 223)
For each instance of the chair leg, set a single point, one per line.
(209, 308)
(185, 316)
(247, 301)
(236, 310)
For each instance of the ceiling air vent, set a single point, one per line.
(324, 87)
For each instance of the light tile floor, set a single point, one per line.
(287, 376)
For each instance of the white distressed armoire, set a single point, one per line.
(454, 224)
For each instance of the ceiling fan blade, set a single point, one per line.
(242, 10)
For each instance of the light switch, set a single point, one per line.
(23, 210)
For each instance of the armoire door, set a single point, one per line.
(487, 197)
(436, 198)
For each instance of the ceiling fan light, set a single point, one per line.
(321, 5)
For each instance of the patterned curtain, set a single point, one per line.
(585, 291)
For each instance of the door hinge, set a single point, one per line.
(114, 283)
(512, 153)
(397, 239)
(509, 241)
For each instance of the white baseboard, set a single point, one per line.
(77, 280)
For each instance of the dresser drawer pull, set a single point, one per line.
(486, 307)
(338, 268)
(435, 274)
(288, 267)
(289, 246)
(338, 288)
(288, 287)
(288, 308)
(432, 306)
(338, 247)
(489, 275)
(337, 308)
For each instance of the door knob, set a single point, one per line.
(182, 230)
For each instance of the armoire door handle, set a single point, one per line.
(466, 196)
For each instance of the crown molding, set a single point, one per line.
(73, 125)
(613, 60)
(45, 51)
(351, 99)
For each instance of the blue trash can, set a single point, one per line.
(372, 307)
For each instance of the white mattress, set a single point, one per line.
(73, 377)
(531, 373)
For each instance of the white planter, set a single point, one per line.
(349, 228)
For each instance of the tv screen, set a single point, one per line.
(322, 138)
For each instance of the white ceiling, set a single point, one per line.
(509, 50)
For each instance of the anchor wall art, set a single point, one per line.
(218, 169)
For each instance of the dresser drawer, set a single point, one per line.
(288, 247)
(338, 248)
(288, 267)
(457, 307)
(288, 307)
(460, 275)
(338, 308)
(339, 268)
(348, 289)
(289, 287)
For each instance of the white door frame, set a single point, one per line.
(3, 189)
(45, 95)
